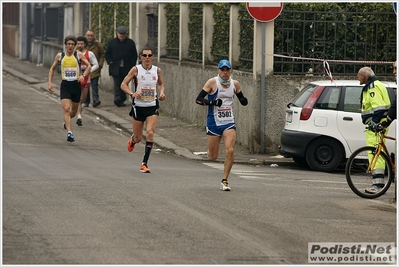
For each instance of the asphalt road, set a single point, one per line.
(87, 203)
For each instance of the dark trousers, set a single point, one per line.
(119, 95)
(94, 87)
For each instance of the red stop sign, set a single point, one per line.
(264, 12)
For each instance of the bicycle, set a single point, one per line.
(358, 170)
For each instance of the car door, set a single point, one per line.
(349, 121)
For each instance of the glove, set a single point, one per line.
(218, 102)
(243, 101)
(375, 127)
(386, 123)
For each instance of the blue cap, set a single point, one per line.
(224, 63)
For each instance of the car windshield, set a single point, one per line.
(301, 98)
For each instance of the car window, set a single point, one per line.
(352, 99)
(391, 93)
(304, 95)
(329, 98)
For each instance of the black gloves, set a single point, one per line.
(243, 101)
(386, 123)
(217, 102)
(242, 98)
(375, 127)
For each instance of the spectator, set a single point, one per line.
(375, 104)
(121, 56)
(98, 50)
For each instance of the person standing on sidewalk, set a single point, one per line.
(85, 85)
(71, 77)
(375, 103)
(145, 102)
(98, 50)
(220, 120)
(121, 56)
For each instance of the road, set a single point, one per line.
(87, 203)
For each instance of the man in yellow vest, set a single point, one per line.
(70, 90)
(375, 104)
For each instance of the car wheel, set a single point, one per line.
(324, 154)
(301, 162)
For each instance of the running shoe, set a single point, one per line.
(373, 189)
(64, 126)
(224, 186)
(144, 168)
(130, 145)
(70, 137)
(79, 122)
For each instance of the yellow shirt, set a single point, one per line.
(69, 67)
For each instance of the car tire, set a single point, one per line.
(324, 154)
(301, 162)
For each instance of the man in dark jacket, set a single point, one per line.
(121, 56)
(99, 51)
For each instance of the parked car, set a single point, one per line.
(323, 125)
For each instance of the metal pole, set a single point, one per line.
(262, 92)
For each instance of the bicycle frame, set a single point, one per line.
(381, 147)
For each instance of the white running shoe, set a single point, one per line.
(224, 186)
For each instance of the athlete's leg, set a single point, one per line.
(74, 108)
(83, 97)
(66, 106)
(150, 125)
(229, 138)
(137, 130)
(213, 146)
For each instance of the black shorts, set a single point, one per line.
(141, 113)
(70, 90)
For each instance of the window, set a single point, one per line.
(352, 99)
(329, 98)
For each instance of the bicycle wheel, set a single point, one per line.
(359, 178)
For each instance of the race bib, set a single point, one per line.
(147, 93)
(224, 115)
(70, 74)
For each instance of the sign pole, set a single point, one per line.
(262, 91)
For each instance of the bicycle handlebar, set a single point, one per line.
(376, 128)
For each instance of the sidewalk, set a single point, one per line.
(172, 134)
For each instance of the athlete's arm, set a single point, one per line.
(51, 72)
(124, 85)
(243, 100)
(208, 88)
(93, 62)
(161, 85)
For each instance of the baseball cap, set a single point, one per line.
(121, 29)
(224, 63)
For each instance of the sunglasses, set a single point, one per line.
(147, 55)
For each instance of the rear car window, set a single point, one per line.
(329, 98)
(301, 98)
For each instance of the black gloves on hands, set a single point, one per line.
(386, 123)
(243, 101)
(217, 102)
(375, 127)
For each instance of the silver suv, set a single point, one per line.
(323, 125)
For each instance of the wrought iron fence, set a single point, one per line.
(347, 35)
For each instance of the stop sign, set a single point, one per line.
(264, 12)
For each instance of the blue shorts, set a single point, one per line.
(218, 130)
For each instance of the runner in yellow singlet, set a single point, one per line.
(71, 78)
